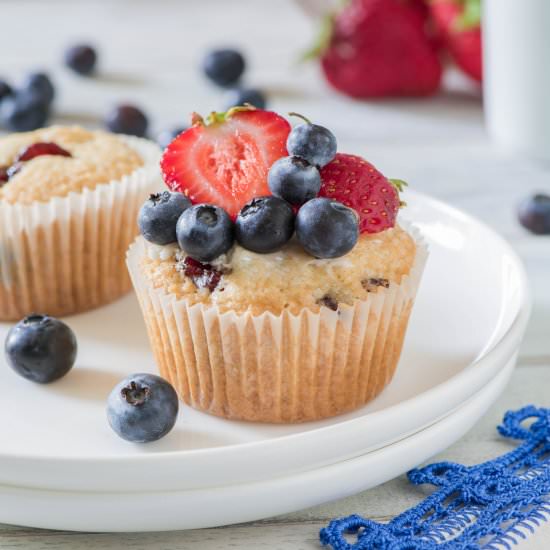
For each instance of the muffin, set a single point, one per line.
(69, 198)
(290, 326)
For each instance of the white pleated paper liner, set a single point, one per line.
(67, 255)
(285, 368)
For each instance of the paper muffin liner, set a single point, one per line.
(280, 369)
(67, 255)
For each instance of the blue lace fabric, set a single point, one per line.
(490, 506)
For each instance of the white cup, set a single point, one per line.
(516, 74)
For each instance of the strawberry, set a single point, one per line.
(358, 184)
(378, 48)
(458, 22)
(225, 160)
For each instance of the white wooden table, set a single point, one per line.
(149, 55)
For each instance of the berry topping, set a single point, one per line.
(81, 59)
(4, 177)
(39, 149)
(167, 136)
(41, 348)
(245, 96)
(328, 301)
(5, 89)
(326, 228)
(357, 184)
(204, 232)
(23, 112)
(223, 67)
(264, 224)
(372, 284)
(158, 217)
(40, 87)
(294, 180)
(142, 408)
(202, 275)
(127, 119)
(226, 161)
(534, 214)
(14, 169)
(311, 142)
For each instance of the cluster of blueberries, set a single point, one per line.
(141, 408)
(324, 227)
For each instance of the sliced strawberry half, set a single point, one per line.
(356, 183)
(225, 160)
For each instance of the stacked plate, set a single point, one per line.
(62, 467)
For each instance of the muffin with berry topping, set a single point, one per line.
(68, 202)
(274, 281)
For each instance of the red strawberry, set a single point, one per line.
(381, 48)
(458, 22)
(225, 161)
(358, 184)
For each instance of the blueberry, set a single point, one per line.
(5, 89)
(294, 180)
(23, 112)
(239, 97)
(158, 217)
(327, 228)
(534, 214)
(127, 119)
(40, 86)
(167, 136)
(205, 232)
(142, 408)
(81, 58)
(264, 224)
(224, 67)
(41, 348)
(312, 142)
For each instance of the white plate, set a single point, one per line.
(468, 321)
(210, 507)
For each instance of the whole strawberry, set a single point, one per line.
(379, 48)
(458, 23)
(356, 183)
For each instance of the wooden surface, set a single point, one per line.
(149, 55)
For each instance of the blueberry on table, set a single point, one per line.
(167, 136)
(294, 180)
(312, 142)
(142, 408)
(223, 67)
(158, 217)
(127, 119)
(326, 228)
(264, 224)
(534, 214)
(5, 89)
(40, 86)
(81, 58)
(238, 97)
(41, 348)
(205, 232)
(23, 112)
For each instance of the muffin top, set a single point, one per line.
(87, 159)
(289, 279)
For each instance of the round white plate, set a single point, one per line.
(214, 506)
(468, 321)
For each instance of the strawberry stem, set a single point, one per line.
(398, 184)
(217, 118)
(322, 42)
(306, 120)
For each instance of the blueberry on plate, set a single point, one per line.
(5, 89)
(224, 67)
(23, 112)
(326, 228)
(159, 215)
(41, 348)
(264, 224)
(127, 119)
(40, 86)
(205, 232)
(237, 97)
(142, 408)
(312, 142)
(294, 180)
(167, 136)
(534, 214)
(81, 58)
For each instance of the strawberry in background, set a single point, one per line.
(380, 48)
(458, 23)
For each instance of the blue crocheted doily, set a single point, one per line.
(489, 506)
